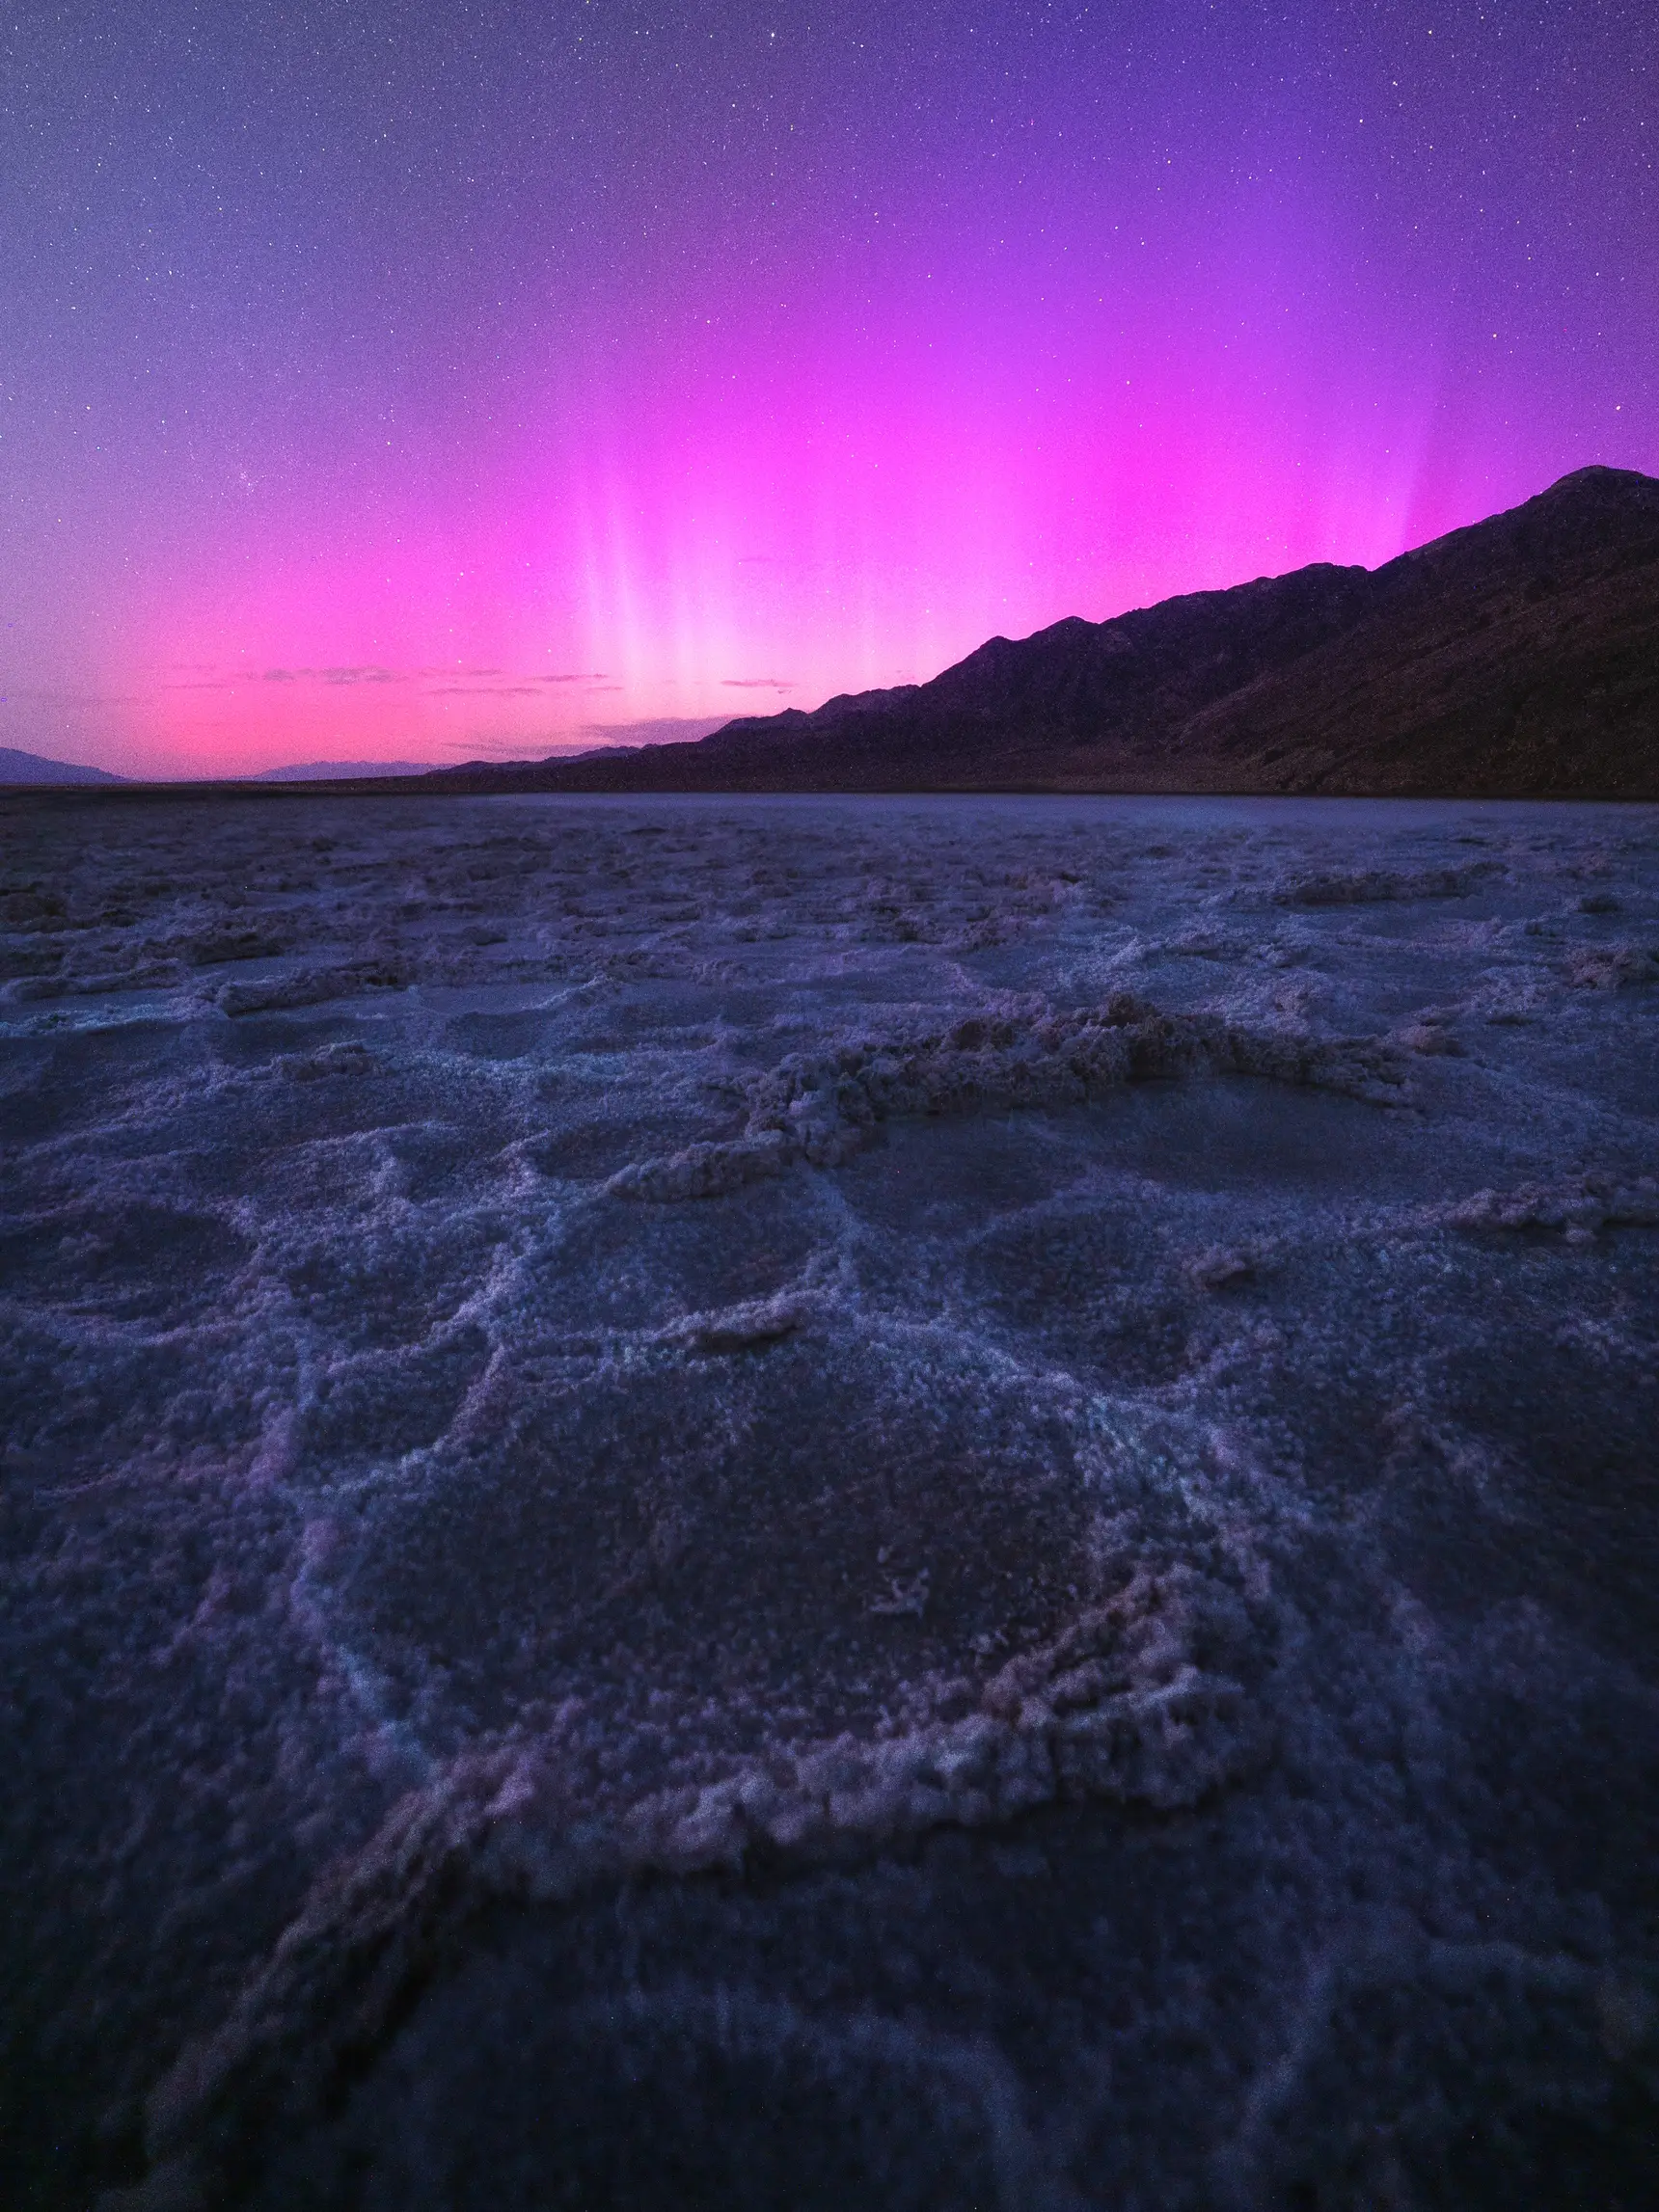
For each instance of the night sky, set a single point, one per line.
(436, 381)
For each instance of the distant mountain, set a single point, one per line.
(338, 772)
(33, 768)
(1519, 657)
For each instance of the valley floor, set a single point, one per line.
(781, 1502)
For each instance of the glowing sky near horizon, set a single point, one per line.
(430, 382)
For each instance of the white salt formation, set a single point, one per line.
(773, 1501)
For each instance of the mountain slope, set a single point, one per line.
(33, 768)
(1519, 657)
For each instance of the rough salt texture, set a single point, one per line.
(774, 1502)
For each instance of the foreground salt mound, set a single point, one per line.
(1368, 886)
(1579, 1207)
(820, 1110)
(1129, 1705)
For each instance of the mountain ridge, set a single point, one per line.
(21, 767)
(1515, 656)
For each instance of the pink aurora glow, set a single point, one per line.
(763, 435)
(818, 525)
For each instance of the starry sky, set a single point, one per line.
(486, 379)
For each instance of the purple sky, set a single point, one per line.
(480, 379)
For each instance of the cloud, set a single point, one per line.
(500, 749)
(458, 681)
(51, 696)
(658, 729)
(516, 686)
(366, 674)
(756, 684)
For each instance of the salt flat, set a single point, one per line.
(944, 1500)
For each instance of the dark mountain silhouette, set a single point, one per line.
(1519, 657)
(34, 767)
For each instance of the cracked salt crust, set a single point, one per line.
(549, 1340)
